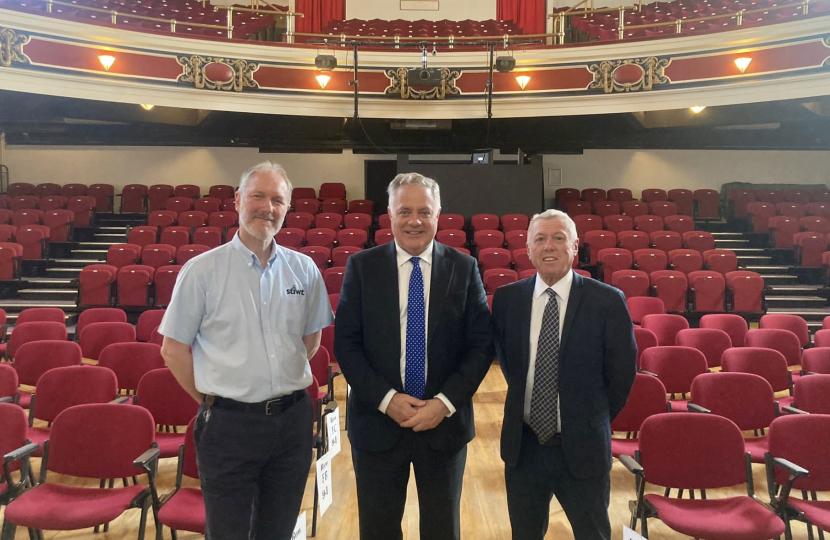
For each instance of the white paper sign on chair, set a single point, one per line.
(628, 534)
(299, 528)
(333, 431)
(324, 484)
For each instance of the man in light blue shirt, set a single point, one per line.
(252, 312)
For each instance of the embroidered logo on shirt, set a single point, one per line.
(295, 290)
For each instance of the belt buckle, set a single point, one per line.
(269, 403)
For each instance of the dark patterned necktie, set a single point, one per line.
(544, 402)
(415, 333)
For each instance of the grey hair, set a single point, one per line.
(556, 214)
(414, 179)
(264, 167)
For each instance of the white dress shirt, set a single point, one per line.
(562, 289)
(404, 273)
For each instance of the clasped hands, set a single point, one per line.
(411, 412)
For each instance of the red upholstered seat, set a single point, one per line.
(95, 284)
(165, 279)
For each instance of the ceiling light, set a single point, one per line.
(323, 80)
(522, 80)
(743, 63)
(106, 61)
(147, 106)
(505, 64)
(697, 108)
(325, 62)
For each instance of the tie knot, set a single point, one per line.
(550, 292)
(415, 261)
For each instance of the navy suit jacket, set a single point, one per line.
(367, 344)
(597, 366)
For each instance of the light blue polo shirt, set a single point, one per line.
(246, 323)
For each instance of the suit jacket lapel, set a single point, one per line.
(525, 300)
(389, 301)
(570, 311)
(442, 270)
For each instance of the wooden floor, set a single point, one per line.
(483, 514)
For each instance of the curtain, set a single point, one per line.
(318, 14)
(529, 15)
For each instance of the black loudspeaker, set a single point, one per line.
(325, 62)
(424, 77)
(505, 64)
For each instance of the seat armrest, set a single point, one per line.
(631, 464)
(18, 454)
(793, 410)
(794, 470)
(693, 407)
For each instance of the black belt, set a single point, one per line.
(270, 407)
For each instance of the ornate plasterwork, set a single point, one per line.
(398, 84)
(195, 67)
(11, 47)
(653, 69)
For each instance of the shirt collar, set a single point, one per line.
(562, 288)
(403, 257)
(249, 256)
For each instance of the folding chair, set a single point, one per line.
(698, 452)
(671, 287)
(104, 441)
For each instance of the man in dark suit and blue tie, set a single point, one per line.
(413, 338)
(566, 346)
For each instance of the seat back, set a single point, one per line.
(35, 358)
(100, 440)
(712, 342)
(146, 322)
(665, 327)
(96, 336)
(650, 260)
(783, 341)
(143, 235)
(165, 281)
(647, 398)
(35, 331)
(649, 223)
(120, 255)
(158, 255)
(63, 387)
(633, 240)
(130, 361)
(335, 206)
(631, 282)
(692, 451)
(768, 363)
(640, 306)
(676, 366)
(634, 209)
(745, 398)
(95, 284)
(817, 359)
(42, 314)
(679, 223)
(707, 290)
(803, 439)
(794, 323)
(93, 315)
(670, 286)
(222, 192)
(134, 283)
(812, 394)
(13, 426)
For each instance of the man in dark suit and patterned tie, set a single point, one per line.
(566, 346)
(413, 338)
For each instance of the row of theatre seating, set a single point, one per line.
(739, 199)
(184, 12)
(701, 203)
(604, 26)
(422, 28)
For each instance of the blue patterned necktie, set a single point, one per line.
(544, 401)
(416, 350)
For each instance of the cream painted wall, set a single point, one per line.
(606, 169)
(454, 10)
